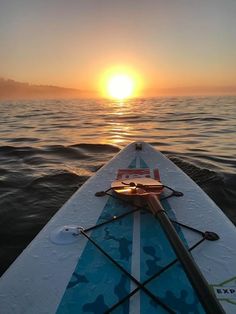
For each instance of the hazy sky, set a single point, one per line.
(169, 43)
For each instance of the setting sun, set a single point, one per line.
(120, 86)
(120, 82)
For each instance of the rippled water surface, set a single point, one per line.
(49, 148)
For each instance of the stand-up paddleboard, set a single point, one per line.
(107, 253)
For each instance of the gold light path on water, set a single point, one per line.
(120, 83)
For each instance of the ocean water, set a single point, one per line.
(50, 148)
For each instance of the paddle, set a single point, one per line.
(149, 190)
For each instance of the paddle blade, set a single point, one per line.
(137, 186)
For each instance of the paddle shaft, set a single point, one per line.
(209, 302)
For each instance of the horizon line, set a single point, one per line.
(21, 90)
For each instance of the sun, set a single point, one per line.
(120, 86)
(119, 82)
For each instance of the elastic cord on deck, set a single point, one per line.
(206, 235)
(141, 286)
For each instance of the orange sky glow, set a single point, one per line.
(166, 47)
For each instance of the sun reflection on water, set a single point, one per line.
(164, 122)
(116, 126)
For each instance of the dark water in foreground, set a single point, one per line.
(50, 148)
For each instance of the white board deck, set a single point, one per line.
(36, 281)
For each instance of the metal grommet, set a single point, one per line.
(80, 229)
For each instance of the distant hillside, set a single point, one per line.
(10, 89)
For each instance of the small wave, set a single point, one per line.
(3, 171)
(221, 187)
(76, 151)
(61, 178)
(23, 139)
(222, 159)
(64, 151)
(22, 151)
(200, 119)
(199, 175)
(159, 144)
(97, 148)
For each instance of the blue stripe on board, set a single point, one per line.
(133, 163)
(96, 283)
(143, 164)
(172, 286)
